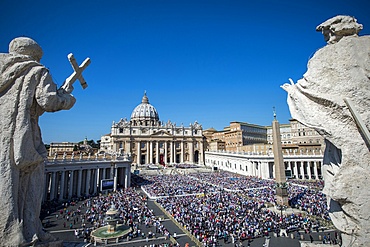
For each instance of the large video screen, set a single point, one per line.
(107, 184)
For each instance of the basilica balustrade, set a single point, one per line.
(297, 164)
(69, 177)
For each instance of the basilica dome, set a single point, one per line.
(144, 111)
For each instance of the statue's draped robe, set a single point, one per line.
(26, 92)
(335, 72)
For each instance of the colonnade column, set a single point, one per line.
(296, 169)
(127, 177)
(115, 177)
(96, 180)
(79, 183)
(88, 181)
(291, 166)
(52, 187)
(302, 169)
(47, 183)
(309, 170)
(121, 176)
(103, 176)
(62, 185)
(315, 170)
(70, 189)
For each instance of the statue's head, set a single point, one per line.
(26, 46)
(339, 26)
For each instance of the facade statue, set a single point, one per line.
(333, 97)
(26, 92)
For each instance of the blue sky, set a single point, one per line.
(208, 61)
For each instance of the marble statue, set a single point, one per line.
(27, 90)
(333, 97)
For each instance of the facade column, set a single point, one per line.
(151, 152)
(174, 151)
(62, 185)
(171, 152)
(201, 153)
(147, 152)
(165, 152)
(191, 152)
(182, 152)
(79, 183)
(157, 152)
(138, 153)
(88, 181)
(52, 188)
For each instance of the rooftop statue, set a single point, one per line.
(26, 92)
(333, 97)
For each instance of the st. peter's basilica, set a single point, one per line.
(150, 141)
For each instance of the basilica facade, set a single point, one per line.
(149, 141)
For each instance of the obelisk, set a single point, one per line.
(281, 185)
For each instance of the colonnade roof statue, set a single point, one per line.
(26, 92)
(333, 97)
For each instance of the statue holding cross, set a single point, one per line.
(27, 90)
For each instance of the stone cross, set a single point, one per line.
(77, 74)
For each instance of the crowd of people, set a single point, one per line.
(213, 206)
(175, 185)
(308, 196)
(232, 181)
(91, 213)
(228, 215)
(223, 205)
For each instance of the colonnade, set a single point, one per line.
(66, 180)
(300, 166)
(304, 169)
